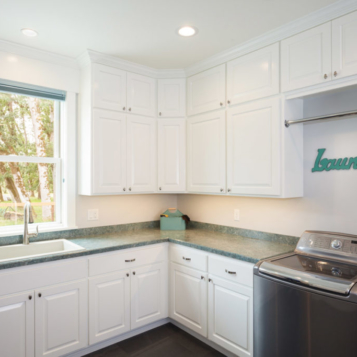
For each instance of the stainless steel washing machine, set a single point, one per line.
(305, 303)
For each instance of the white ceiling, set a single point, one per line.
(144, 31)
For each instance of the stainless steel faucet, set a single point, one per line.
(28, 219)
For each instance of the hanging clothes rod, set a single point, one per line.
(331, 116)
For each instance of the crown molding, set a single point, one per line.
(34, 53)
(90, 56)
(304, 23)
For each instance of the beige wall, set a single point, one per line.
(330, 199)
(123, 209)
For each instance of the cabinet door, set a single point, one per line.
(253, 148)
(109, 306)
(148, 294)
(109, 152)
(171, 98)
(253, 76)
(306, 58)
(206, 146)
(230, 316)
(206, 91)
(172, 155)
(188, 298)
(61, 319)
(17, 325)
(109, 88)
(141, 95)
(344, 46)
(141, 150)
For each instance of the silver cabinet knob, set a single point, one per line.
(210, 280)
(123, 108)
(325, 76)
(335, 73)
(228, 101)
(124, 189)
(160, 188)
(202, 277)
(133, 272)
(221, 104)
(127, 274)
(160, 113)
(129, 188)
(221, 190)
(129, 109)
(229, 190)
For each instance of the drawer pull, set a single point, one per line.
(231, 272)
(210, 280)
(188, 259)
(129, 260)
(202, 278)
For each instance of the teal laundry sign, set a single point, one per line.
(324, 164)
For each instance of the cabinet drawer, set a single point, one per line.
(188, 257)
(127, 259)
(231, 269)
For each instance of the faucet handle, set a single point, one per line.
(31, 235)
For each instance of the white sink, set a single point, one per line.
(21, 251)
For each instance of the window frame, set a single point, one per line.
(65, 159)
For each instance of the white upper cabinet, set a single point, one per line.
(141, 154)
(109, 151)
(109, 88)
(206, 148)
(141, 94)
(253, 76)
(172, 155)
(306, 58)
(344, 46)
(171, 98)
(206, 90)
(253, 148)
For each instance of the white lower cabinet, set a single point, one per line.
(61, 323)
(17, 325)
(148, 294)
(188, 298)
(230, 316)
(109, 306)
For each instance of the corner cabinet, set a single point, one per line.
(206, 153)
(172, 155)
(172, 98)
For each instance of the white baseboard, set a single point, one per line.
(112, 341)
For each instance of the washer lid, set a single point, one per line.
(330, 276)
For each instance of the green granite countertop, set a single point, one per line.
(229, 245)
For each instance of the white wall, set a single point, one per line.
(123, 209)
(330, 199)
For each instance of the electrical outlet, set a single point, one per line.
(93, 214)
(236, 214)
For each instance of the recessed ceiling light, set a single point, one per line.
(29, 32)
(187, 31)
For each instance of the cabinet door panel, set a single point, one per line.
(109, 88)
(172, 155)
(188, 298)
(306, 58)
(109, 152)
(344, 46)
(253, 148)
(141, 95)
(61, 319)
(206, 91)
(253, 76)
(206, 148)
(148, 294)
(230, 316)
(141, 154)
(17, 325)
(171, 98)
(109, 306)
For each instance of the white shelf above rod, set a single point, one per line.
(331, 116)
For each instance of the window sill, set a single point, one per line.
(42, 227)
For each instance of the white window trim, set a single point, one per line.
(67, 173)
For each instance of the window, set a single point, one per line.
(30, 160)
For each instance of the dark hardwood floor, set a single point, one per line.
(164, 341)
